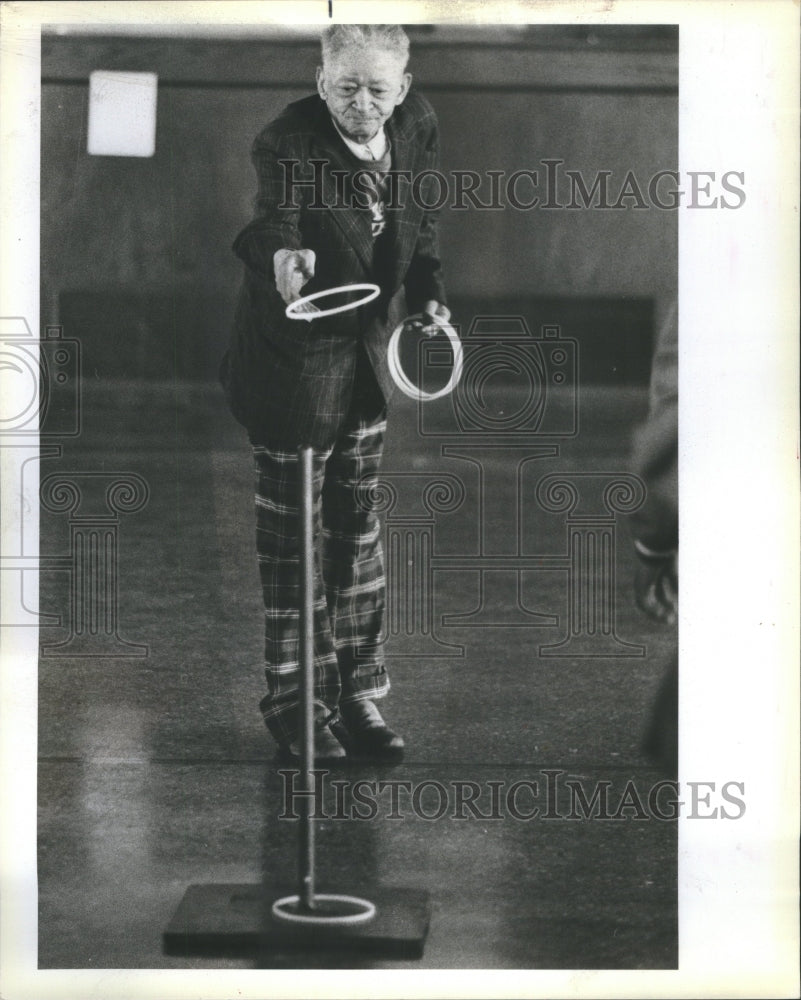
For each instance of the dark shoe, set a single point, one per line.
(327, 748)
(366, 734)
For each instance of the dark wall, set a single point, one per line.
(157, 232)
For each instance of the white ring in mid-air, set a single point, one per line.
(399, 376)
(293, 309)
(366, 913)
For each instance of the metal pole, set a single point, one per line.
(306, 655)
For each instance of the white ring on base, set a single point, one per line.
(292, 309)
(329, 919)
(401, 380)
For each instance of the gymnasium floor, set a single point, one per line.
(155, 772)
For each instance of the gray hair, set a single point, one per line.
(390, 37)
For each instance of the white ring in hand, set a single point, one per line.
(406, 386)
(295, 309)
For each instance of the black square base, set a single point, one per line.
(216, 920)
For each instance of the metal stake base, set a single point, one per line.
(219, 920)
(246, 919)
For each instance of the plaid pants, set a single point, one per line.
(349, 586)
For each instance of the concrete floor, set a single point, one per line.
(155, 771)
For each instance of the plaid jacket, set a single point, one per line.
(290, 382)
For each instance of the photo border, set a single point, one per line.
(739, 695)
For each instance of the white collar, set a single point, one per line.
(376, 149)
